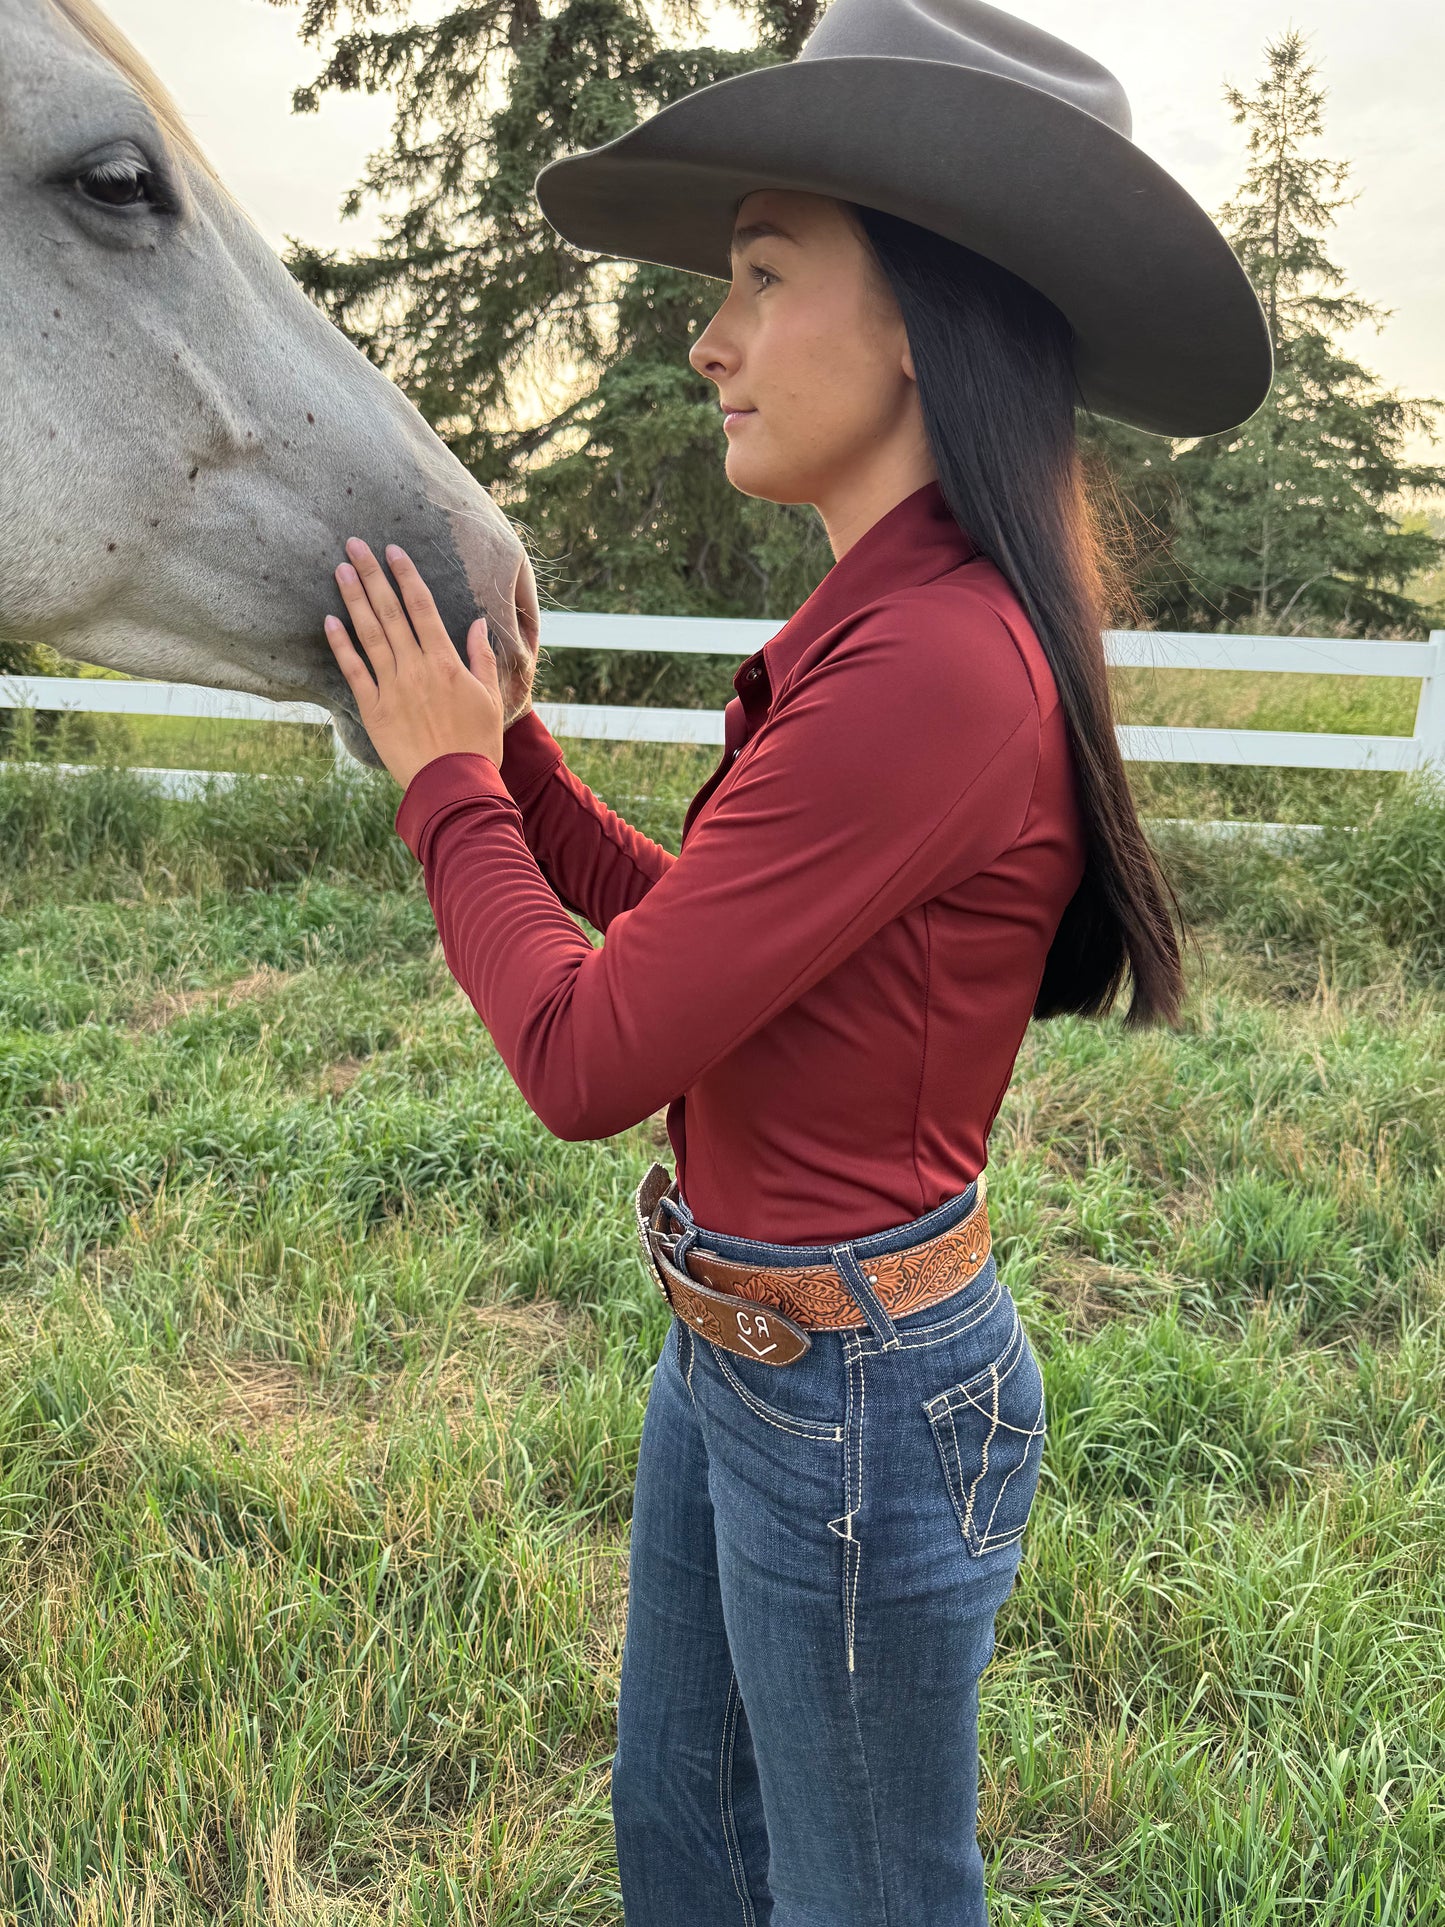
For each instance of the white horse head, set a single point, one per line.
(185, 440)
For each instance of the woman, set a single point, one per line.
(918, 835)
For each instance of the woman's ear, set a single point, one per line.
(908, 363)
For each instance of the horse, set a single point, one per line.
(186, 441)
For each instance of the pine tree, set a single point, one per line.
(560, 380)
(1288, 519)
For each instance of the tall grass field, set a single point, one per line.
(322, 1370)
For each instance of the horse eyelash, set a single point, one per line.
(119, 170)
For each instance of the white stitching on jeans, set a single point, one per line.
(725, 1799)
(983, 1466)
(826, 1433)
(722, 1755)
(957, 1396)
(850, 1353)
(852, 1493)
(1035, 1431)
(971, 1404)
(965, 1512)
(853, 1355)
(857, 1543)
(680, 1327)
(947, 1404)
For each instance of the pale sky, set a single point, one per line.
(232, 65)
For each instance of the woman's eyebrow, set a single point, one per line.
(754, 232)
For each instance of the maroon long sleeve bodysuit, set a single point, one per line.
(829, 985)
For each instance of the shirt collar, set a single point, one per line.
(914, 542)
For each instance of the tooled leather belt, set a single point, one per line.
(767, 1311)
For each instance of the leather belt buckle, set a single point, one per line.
(749, 1327)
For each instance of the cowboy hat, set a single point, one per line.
(985, 129)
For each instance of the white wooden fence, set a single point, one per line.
(707, 635)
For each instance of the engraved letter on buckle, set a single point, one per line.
(753, 1331)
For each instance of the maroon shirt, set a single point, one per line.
(829, 985)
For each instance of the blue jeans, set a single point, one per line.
(818, 1553)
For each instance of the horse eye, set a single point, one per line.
(119, 183)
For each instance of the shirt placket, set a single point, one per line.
(741, 721)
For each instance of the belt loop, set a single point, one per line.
(864, 1296)
(688, 1236)
(675, 1207)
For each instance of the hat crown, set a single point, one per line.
(970, 34)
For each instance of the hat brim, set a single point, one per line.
(1169, 332)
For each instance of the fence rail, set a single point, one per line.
(720, 636)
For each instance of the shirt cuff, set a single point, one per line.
(530, 753)
(459, 776)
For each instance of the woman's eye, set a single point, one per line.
(120, 183)
(764, 272)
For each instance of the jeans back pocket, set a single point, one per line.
(989, 1431)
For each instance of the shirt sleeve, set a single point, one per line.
(901, 763)
(597, 864)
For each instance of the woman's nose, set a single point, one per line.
(707, 356)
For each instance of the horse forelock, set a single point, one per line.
(101, 33)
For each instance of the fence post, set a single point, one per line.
(1430, 711)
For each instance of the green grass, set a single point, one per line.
(1236, 699)
(198, 742)
(323, 1370)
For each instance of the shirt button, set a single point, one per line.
(753, 674)
(738, 751)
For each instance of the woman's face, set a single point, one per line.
(811, 345)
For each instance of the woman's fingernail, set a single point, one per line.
(395, 554)
(345, 573)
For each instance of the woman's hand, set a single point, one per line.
(417, 699)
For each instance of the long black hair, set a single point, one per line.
(994, 363)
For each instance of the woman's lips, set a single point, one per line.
(737, 415)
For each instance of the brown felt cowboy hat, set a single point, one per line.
(982, 127)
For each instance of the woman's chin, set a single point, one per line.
(750, 476)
